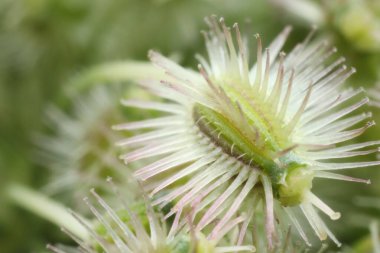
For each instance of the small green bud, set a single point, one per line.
(297, 184)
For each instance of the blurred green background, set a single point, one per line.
(46, 44)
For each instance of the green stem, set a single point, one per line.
(46, 208)
(375, 236)
(131, 71)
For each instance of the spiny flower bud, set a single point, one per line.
(236, 135)
(127, 231)
(80, 151)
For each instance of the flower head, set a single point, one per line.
(236, 135)
(137, 228)
(80, 150)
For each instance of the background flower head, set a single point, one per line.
(138, 229)
(80, 149)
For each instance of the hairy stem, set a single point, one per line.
(46, 208)
(114, 72)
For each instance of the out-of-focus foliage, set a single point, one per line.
(356, 24)
(45, 44)
(352, 25)
(359, 23)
